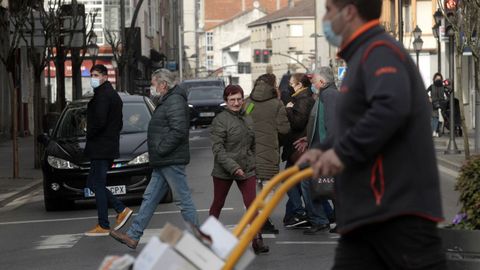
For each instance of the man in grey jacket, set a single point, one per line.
(320, 126)
(168, 151)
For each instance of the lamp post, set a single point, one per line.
(180, 48)
(438, 16)
(92, 47)
(418, 42)
(452, 145)
(115, 65)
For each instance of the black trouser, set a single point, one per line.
(406, 242)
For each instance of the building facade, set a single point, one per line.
(289, 35)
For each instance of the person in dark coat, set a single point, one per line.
(388, 200)
(233, 147)
(298, 112)
(320, 125)
(437, 94)
(168, 150)
(269, 122)
(104, 123)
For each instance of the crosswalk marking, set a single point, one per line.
(58, 241)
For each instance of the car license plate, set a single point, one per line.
(116, 190)
(207, 114)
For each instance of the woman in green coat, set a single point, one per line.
(233, 146)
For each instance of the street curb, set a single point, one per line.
(447, 162)
(29, 188)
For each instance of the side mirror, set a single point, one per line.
(43, 139)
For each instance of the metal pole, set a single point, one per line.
(418, 53)
(400, 21)
(197, 49)
(180, 58)
(124, 58)
(452, 145)
(49, 85)
(439, 55)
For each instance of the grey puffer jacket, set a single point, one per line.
(233, 145)
(168, 130)
(269, 120)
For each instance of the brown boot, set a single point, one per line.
(258, 245)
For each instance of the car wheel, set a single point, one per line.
(168, 198)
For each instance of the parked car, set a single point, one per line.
(188, 84)
(65, 168)
(205, 103)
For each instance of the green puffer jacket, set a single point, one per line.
(233, 145)
(168, 130)
(269, 120)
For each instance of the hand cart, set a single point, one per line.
(285, 180)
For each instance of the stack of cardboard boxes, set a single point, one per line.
(205, 249)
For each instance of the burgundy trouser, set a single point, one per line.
(221, 188)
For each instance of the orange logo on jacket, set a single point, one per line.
(385, 70)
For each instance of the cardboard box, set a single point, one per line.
(157, 255)
(197, 253)
(223, 242)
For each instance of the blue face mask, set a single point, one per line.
(313, 89)
(95, 82)
(332, 37)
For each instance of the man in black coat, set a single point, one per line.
(388, 199)
(104, 123)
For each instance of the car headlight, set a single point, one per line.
(223, 104)
(190, 105)
(59, 163)
(142, 159)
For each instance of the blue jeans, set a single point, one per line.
(434, 123)
(175, 176)
(294, 203)
(96, 182)
(315, 208)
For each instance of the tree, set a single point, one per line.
(123, 48)
(12, 22)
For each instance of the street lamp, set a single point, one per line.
(452, 145)
(418, 42)
(438, 16)
(180, 48)
(92, 47)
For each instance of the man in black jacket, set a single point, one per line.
(104, 122)
(168, 150)
(387, 189)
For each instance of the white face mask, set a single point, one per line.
(153, 91)
(95, 82)
(332, 37)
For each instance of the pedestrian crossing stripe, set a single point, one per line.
(60, 241)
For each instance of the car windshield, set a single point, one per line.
(189, 85)
(205, 94)
(136, 117)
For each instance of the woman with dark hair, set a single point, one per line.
(269, 122)
(436, 92)
(298, 112)
(233, 146)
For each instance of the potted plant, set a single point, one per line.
(461, 239)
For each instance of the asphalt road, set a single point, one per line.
(34, 239)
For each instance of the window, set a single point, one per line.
(209, 62)
(296, 30)
(209, 37)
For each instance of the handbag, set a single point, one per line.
(322, 188)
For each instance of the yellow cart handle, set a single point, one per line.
(295, 175)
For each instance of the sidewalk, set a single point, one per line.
(29, 178)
